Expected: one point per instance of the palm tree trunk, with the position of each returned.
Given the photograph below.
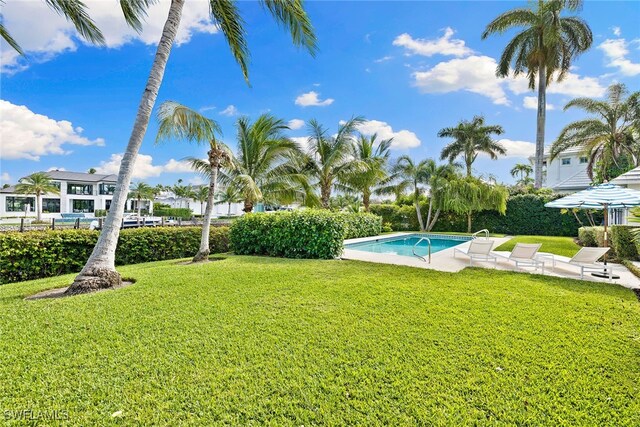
(469, 222)
(429, 213)
(248, 206)
(325, 195)
(139, 207)
(542, 111)
(433, 221)
(469, 169)
(229, 210)
(203, 252)
(38, 207)
(366, 200)
(416, 201)
(99, 272)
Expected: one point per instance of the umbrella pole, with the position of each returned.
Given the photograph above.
(605, 274)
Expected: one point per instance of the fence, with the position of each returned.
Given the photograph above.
(26, 224)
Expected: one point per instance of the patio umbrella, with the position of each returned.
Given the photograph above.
(604, 196)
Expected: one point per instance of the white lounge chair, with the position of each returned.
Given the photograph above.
(525, 254)
(479, 250)
(587, 260)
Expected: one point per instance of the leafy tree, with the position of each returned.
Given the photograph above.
(437, 177)
(229, 195)
(99, 271)
(523, 170)
(92, 171)
(329, 156)
(141, 191)
(38, 184)
(545, 48)
(470, 139)
(608, 138)
(409, 176)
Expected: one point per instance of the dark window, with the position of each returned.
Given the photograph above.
(566, 161)
(584, 160)
(51, 205)
(83, 189)
(16, 204)
(107, 204)
(107, 189)
(82, 206)
(56, 184)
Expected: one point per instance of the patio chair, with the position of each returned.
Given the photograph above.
(525, 254)
(479, 250)
(587, 260)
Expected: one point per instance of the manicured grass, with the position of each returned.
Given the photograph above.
(252, 341)
(564, 246)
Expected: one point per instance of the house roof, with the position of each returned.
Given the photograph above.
(579, 181)
(9, 189)
(631, 177)
(81, 176)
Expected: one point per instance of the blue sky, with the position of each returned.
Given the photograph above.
(410, 68)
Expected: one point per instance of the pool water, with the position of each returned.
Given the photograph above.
(403, 245)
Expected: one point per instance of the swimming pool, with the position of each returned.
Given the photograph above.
(403, 245)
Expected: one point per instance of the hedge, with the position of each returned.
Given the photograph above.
(622, 242)
(184, 213)
(37, 254)
(300, 234)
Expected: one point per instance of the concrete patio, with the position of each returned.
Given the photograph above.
(445, 261)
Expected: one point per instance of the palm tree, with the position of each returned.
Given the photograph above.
(229, 196)
(609, 137)
(268, 165)
(368, 171)
(180, 191)
(141, 191)
(201, 195)
(523, 170)
(409, 176)
(38, 184)
(437, 177)
(470, 139)
(180, 122)
(545, 47)
(329, 157)
(99, 272)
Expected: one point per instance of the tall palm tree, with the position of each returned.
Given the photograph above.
(545, 48)
(99, 272)
(329, 156)
(608, 137)
(409, 176)
(201, 195)
(523, 170)
(470, 139)
(268, 165)
(369, 167)
(437, 177)
(38, 184)
(141, 191)
(180, 122)
(228, 196)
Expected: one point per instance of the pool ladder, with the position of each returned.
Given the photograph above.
(416, 245)
(484, 230)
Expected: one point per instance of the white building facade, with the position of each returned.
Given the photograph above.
(567, 173)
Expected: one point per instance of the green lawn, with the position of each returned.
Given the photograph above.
(564, 246)
(252, 341)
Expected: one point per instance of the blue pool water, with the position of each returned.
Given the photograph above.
(404, 245)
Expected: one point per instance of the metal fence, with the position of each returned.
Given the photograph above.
(27, 224)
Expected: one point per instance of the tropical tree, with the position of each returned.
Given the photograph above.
(180, 122)
(37, 184)
(368, 171)
(141, 191)
(99, 272)
(544, 48)
(268, 165)
(180, 191)
(330, 156)
(92, 171)
(228, 196)
(470, 139)
(523, 170)
(201, 194)
(466, 195)
(437, 178)
(409, 176)
(609, 138)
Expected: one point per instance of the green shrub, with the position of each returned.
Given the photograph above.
(100, 213)
(300, 234)
(183, 213)
(622, 242)
(37, 254)
(588, 237)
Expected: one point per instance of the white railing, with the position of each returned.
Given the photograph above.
(419, 256)
(484, 230)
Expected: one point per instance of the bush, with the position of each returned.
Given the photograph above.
(587, 236)
(299, 234)
(37, 254)
(183, 213)
(100, 213)
(623, 243)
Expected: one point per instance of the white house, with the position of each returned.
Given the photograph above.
(169, 198)
(567, 173)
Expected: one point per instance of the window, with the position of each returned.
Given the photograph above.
(107, 189)
(584, 160)
(107, 204)
(17, 204)
(83, 189)
(51, 205)
(82, 206)
(56, 184)
(566, 161)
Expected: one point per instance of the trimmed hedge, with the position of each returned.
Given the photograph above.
(37, 254)
(300, 234)
(589, 236)
(184, 213)
(622, 242)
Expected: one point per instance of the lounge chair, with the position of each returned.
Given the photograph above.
(525, 254)
(479, 250)
(587, 258)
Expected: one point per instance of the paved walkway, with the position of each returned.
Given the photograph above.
(445, 261)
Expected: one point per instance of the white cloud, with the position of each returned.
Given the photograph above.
(196, 180)
(312, 99)
(302, 141)
(207, 108)
(230, 111)
(144, 167)
(401, 139)
(518, 148)
(444, 45)
(531, 102)
(5, 177)
(55, 35)
(472, 74)
(617, 31)
(27, 135)
(383, 59)
(616, 51)
(295, 124)
(572, 85)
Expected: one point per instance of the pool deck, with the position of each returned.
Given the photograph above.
(445, 261)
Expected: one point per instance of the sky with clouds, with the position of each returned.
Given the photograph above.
(410, 68)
